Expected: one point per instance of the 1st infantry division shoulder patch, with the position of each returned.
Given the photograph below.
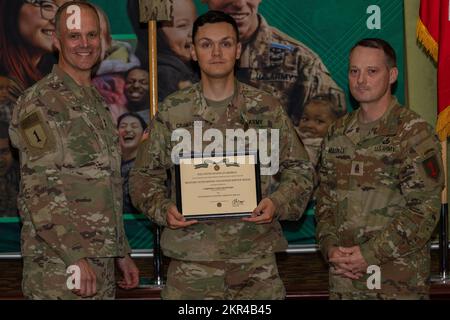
(34, 130)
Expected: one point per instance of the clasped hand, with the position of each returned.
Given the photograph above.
(347, 262)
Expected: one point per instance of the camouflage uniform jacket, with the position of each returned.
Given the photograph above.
(221, 239)
(70, 198)
(382, 193)
(277, 63)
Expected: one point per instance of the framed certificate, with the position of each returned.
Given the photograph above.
(219, 186)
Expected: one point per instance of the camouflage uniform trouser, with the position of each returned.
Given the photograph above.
(45, 278)
(244, 279)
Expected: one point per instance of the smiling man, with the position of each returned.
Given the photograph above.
(131, 128)
(136, 91)
(70, 199)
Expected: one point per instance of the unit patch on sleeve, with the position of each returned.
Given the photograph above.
(36, 131)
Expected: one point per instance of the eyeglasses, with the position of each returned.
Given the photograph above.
(48, 8)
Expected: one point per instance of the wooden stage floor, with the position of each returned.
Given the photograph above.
(305, 277)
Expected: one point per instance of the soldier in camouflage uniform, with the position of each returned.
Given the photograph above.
(275, 62)
(70, 197)
(379, 195)
(226, 258)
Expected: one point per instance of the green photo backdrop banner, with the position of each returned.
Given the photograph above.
(329, 27)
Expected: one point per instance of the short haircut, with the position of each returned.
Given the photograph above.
(65, 6)
(214, 16)
(377, 43)
(327, 100)
(4, 134)
(132, 114)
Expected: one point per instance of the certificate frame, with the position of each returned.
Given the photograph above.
(235, 213)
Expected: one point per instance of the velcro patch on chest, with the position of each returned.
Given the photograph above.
(184, 124)
(357, 168)
(258, 123)
(276, 56)
(281, 55)
(336, 150)
(385, 149)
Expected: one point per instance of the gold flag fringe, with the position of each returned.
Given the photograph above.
(428, 42)
(443, 124)
(432, 48)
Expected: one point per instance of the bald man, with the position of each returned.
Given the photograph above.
(70, 200)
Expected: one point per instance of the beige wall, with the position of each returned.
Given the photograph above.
(420, 69)
(421, 72)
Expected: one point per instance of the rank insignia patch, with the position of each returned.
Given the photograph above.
(357, 168)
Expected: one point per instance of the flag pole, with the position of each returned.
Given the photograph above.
(153, 67)
(158, 272)
(444, 218)
(151, 11)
